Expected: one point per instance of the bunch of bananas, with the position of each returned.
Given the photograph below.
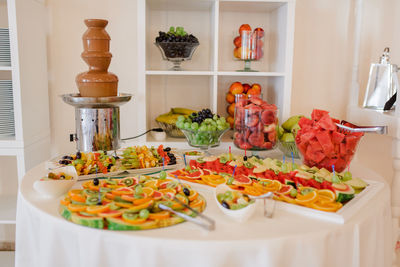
(172, 116)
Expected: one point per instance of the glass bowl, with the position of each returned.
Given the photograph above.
(171, 129)
(177, 52)
(340, 157)
(248, 47)
(204, 139)
(288, 148)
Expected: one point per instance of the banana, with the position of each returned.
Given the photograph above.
(182, 111)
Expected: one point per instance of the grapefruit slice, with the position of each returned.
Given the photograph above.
(195, 175)
(285, 189)
(242, 179)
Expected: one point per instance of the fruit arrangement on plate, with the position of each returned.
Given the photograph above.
(322, 144)
(248, 45)
(131, 158)
(286, 135)
(176, 45)
(237, 90)
(203, 129)
(168, 120)
(255, 124)
(130, 203)
(310, 187)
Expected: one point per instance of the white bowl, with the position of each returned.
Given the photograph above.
(240, 215)
(56, 188)
(189, 158)
(158, 136)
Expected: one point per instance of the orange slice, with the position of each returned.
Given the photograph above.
(66, 201)
(326, 206)
(123, 205)
(286, 198)
(87, 184)
(168, 190)
(74, 192)
(122, 191)
(193, 195)
(134, 221)
(307, 198)
(152, 184)
(78, 198)
(326, 195)
(140, 201)
(148, 191)
(196, 203)
(159, 215)
(141, 206)
(76, 207)
(94, 209)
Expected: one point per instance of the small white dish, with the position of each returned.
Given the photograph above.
(240, 215)
(56, 188)
(159, 136)
(190, 157)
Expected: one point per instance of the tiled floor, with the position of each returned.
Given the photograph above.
(7, 258)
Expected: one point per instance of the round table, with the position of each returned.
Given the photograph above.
(44, 238)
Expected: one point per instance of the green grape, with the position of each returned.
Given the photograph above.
(213, 128)
(181, 118)
(163, 175)
(180, 124)
(222, 119)
(195, 126)
(138, 189)
(187, 168)
(203, 128)
(220, 127)
(187, 125)
(208, 120)
(215, 117)
(144, 214)
(347, 176)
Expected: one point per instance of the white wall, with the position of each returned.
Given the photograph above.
(321, 73)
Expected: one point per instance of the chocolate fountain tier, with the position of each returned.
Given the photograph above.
(97, 84)
(96, 121)
(78, 101)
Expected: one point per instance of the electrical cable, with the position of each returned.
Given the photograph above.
(151, 130)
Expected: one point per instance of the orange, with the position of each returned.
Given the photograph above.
(308, 198)
(193, 195)
(122, 191)
(66, 201)
(94, 209)
(326, 206)
(134, 221)
(196, 203)
(76, 207)
(74, 192)
(78, 198)
(159, 215)
(151, 184)
(141, 206)
(326, 195)
(123, 205)
(140, 201)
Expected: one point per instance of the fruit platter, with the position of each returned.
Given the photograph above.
(130, 203)
(131, 160)
(309, 189)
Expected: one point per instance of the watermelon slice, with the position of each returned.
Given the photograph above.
(317, 114)
(326, 123)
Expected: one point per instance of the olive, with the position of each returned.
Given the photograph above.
(69, 158)
(64, 157)
(172, 163)
(99, 203)
(116, 157)
(245, 158)
(78, 155)
(186, 191)
(225, 205)
(96, 181)
(167, 149)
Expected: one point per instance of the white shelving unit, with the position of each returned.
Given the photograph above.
(207, 77)
(26, 20)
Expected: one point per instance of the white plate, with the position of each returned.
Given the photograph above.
(56, 188)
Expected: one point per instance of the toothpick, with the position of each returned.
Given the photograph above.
(284, 159)
(184, 159)
(163, 161)
(234, 169)
(230, 153)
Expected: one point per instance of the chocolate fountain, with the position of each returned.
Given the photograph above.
(97, 104)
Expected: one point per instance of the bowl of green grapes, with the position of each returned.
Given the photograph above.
(203, 129)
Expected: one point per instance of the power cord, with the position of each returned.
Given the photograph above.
(151, 130)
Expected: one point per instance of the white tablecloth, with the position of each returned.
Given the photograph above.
(45, 239)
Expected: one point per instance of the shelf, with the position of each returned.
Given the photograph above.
(177, 73)
(370, 117)
(8, 68)
(8, 207)
(256, 73)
